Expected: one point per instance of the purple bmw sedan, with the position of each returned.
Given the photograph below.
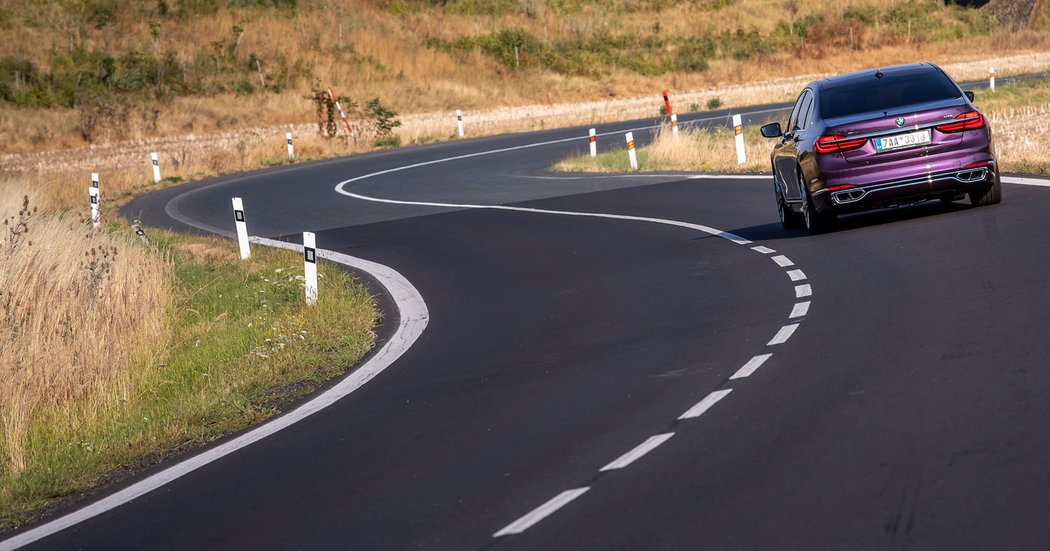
(880, 138)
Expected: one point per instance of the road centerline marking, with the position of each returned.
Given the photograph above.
(783, 335)
(705, 404)
(804, 290)
(541, 512)
(751, 366)
(635, 454)
(783, 261)
(796, 275)
(763, 250)
(800, 309)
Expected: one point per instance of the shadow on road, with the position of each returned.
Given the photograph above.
(773, 231)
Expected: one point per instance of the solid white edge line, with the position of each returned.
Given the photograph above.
(729, 177)
(804, 290)
(783, 335)
(800, 309)
(782, 261)
(635, 454)
(751, 366)
(796, 275)
(541, 512)
(705, 229)
(763, 250)
(1025, 181)
(705, 404)
(413, 318)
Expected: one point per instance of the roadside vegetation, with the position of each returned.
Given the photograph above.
(115, 353)
(1017, 113)
(80, 72)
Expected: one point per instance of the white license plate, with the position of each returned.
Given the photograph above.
(901, 141)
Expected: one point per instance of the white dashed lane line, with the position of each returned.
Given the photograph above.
(641, 449)
(541, 512)
(800, 310)
(705, 404)
(783, 335)
(751, 366)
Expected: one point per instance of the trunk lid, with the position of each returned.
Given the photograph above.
(884, 124)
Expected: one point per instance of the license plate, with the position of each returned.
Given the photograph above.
(901, 141)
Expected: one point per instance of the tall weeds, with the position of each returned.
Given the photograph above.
(81, 314)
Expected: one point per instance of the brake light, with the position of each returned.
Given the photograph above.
(824, 144)
(841, 187)
(976, 121)
(978, 164)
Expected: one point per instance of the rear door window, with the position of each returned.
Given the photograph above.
(805, 110)
(887, 93)
(793, 119)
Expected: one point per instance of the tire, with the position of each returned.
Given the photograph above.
(815, 222)
(789, 219)
(991, 196)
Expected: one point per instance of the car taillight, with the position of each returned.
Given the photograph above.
(841, 187)
(824, 144)
(978, 164)
(975, 121)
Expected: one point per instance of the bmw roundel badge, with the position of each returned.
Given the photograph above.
(900, 121)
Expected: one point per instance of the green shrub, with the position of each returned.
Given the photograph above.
(714, 103)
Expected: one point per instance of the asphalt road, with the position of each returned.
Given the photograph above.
(906, 409)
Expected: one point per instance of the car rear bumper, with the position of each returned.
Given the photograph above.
(906, 190)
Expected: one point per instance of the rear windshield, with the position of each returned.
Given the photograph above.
(889, 92)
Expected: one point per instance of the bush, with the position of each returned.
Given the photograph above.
(383, 120)
(389, 141)
(714, 103)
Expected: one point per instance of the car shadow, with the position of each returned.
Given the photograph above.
(774, 231)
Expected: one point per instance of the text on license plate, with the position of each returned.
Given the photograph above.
(900, 141)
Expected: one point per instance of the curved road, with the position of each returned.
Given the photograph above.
(676, 373)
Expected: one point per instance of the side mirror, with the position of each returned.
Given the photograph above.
(772, 130)
(969, 95)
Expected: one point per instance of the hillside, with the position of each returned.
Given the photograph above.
(76, 72)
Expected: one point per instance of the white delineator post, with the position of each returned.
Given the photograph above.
(592, 137)
(631, 153)
(242, 227)
(93, 197)
(156, 167)
(310, 267)
(674, 125)
(291, 148)
(991, 78)
(738, 130)
(459, 122)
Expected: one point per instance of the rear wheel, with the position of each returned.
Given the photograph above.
(788, 218)
(816, 222)
(991, 196)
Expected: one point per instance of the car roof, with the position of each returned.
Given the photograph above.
(860, 76)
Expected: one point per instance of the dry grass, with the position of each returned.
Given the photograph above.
(81, 313)
(369, 49)
(125, 167)
(1021, 135)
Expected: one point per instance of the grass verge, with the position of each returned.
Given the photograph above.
(131, 353)
(692, 150)
(1018, 115)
